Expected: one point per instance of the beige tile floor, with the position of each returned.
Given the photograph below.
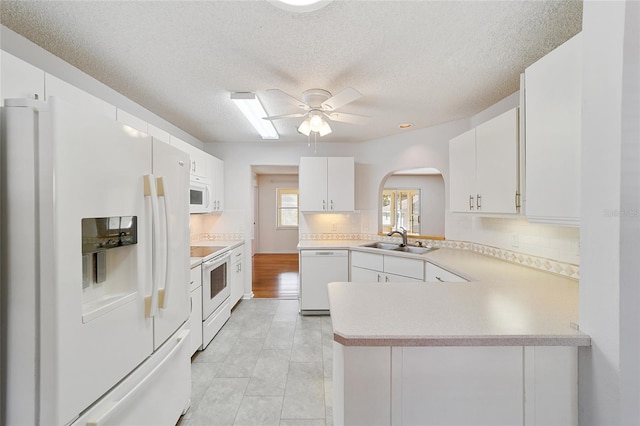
(267, 366)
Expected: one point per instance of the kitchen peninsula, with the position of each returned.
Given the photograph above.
(499, 349)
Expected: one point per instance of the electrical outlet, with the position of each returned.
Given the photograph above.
(334, 227)
(515, 240)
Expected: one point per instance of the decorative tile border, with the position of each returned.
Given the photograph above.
(212, 237)
(564, 269)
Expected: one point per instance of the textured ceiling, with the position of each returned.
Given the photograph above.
(424, 62)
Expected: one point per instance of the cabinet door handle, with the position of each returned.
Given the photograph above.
(386, 279)
(470, 202)
(331, 204)
(440, 279)
(324, 204)
(479, 203)
(378, 277)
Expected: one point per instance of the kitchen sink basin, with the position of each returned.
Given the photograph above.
(416, 249)
(383, 246)
(398, 247)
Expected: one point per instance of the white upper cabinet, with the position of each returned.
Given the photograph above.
(19, 79)
(216, 175)
(327, 184)
(159, 134)
(59, 88)
(483, 167)
(553, 135)
(497, 164)
(199, 158)
(462, 172)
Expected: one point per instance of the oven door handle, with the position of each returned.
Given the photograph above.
(220, 259)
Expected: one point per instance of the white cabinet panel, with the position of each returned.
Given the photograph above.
(497, 163)
(362, 275)
(372, 267)
(19, 79)
(364, 385)
(462, 386)
(158, 133)
(553, 114)
(436, 274)
(215, 170)
(367, 260)
(341, 184)
(484, 167)
(195, 319)
(61, 89)
(237, 274)
(412, 268)
(199, 160)
(327, 184)
(462, 172)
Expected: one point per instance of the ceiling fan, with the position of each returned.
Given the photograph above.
(318, 104)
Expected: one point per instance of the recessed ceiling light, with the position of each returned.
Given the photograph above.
(405, 126)
(300, 6)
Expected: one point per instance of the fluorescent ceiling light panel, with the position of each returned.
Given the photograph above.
(249, 104)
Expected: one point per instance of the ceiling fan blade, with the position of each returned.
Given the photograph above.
(278, 117)
(347, 118)
(344, 97)
(279, 94)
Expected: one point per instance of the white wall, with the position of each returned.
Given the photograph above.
(432, 199)
(271, 239)
(609, 375)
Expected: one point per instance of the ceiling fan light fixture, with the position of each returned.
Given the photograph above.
(325, 129)
(316, 122)
(251, 107)
(305, 128)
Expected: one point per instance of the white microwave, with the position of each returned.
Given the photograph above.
(199, 196)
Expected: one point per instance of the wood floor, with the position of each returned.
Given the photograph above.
(275, 276)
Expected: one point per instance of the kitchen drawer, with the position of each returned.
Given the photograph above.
(236, 254)
(196, 278)
(437, 274)
(397, 265)
(367, 260)
(214, 323)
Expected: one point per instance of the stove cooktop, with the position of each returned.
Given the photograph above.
(204, 251)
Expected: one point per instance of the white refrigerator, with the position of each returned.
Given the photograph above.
(95, 270)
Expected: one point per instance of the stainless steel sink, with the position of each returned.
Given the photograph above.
(416, 249)
(383, 246)
(398, 247)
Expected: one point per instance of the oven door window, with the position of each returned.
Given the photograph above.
(218, 280)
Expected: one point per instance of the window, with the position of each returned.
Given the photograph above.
(401, 208)
(287, 208)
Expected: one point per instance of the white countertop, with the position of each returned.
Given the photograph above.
(228, 244)
(504, 304)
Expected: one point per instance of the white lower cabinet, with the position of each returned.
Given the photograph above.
(195, 318)
(362, 275)
(462, 385)
(436, 274)
(237, 274)
(373, 267)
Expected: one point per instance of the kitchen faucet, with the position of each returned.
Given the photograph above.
(402, 233)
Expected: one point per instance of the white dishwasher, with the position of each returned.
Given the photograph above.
(317, 269)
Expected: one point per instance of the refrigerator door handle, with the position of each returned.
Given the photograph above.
(150, 190)
(115, 406)
(163, 292)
